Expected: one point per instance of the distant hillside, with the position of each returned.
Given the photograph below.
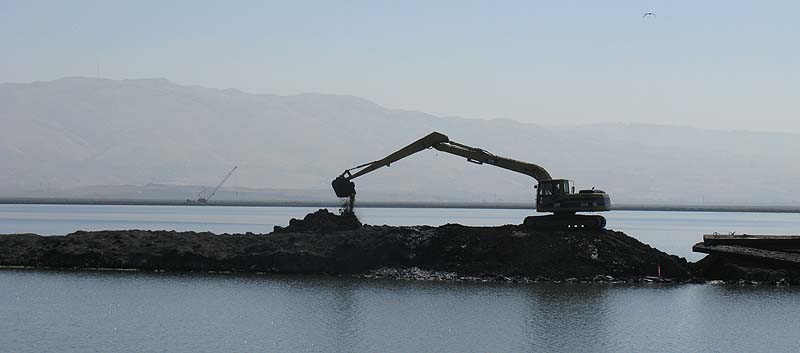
(89, 134)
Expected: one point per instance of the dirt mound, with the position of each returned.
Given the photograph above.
(322, 221)
(326, 243)
(545, 254)
(732, 268)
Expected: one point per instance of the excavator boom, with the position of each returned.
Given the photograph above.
(479, 156)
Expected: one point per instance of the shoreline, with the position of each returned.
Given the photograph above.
(383, 204)
(413, 274)
(324, 243)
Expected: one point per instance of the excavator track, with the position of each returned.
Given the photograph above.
(565, 221)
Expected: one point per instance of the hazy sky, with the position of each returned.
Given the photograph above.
(719, 64)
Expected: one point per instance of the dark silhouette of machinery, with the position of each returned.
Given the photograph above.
(556, 196)
(204, 200)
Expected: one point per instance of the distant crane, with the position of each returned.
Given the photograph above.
(204, 200)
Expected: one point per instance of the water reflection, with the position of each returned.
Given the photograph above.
(567, 318)
(345, 322)
(106, 311)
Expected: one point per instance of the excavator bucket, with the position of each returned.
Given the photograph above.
(343, 187)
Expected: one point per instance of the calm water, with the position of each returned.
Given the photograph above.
(43, 311)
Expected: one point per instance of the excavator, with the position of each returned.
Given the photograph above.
(556, 196)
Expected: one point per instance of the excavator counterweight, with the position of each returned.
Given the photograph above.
(557, 196)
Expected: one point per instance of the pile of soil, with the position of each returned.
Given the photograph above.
(321, 221)
(740, 268)
(326, 243)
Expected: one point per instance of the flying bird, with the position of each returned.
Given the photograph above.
(648, 14)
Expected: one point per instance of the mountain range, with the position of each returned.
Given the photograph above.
(78, 137)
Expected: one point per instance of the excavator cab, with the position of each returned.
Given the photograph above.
(554, 188)
(559, 197)
(549, 193)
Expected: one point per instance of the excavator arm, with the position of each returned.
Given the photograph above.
(344, 186)
(428, 141)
